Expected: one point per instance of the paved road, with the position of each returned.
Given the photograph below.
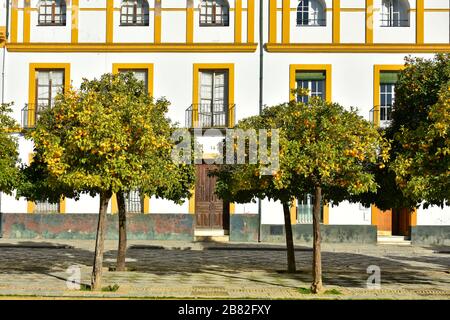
(187, 270)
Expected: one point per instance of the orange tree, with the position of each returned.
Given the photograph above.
(107, 137)
(324, 150)
(9, 157)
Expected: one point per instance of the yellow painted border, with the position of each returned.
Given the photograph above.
(272, 21)
(132, 47)
(326, 214)
(157, 22)
(238, 21)
(293, 211)
(213, 66)
(377, 69)
(14, 20)
(420, 21)
(336, 21)
(190, 21)
(369, 21)
(26, 21)
(359, 48)
(250, 21)
(32, 80)
(114, 205)
(147, 66)
(286, 22)
(293, 68)
(192, 202)
(109, 21)
(74, 20)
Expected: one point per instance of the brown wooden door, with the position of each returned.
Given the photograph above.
(401, 222)
(385, 222)
(209, 208)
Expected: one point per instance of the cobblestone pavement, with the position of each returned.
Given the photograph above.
(201, 270)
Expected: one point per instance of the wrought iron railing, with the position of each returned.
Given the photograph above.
(311, 22)
(46, 207)
(215, 115)
(394, 23)
(30, 114)
(381, 115)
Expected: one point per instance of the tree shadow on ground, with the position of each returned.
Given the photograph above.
(261, 267)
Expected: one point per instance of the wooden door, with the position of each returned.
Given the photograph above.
(385, 222)
(209, 208)
(401, 222)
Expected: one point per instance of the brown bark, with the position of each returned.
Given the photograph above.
(122, 249)
(96, 279)
(317, 286)
(289, 238)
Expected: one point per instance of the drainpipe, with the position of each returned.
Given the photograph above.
(261, 77)
(4, 52)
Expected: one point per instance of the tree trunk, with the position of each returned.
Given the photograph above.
(122, 250)
(289, 239)
(316, 286)
(96, 279)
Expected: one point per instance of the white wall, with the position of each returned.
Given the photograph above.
(433, 216)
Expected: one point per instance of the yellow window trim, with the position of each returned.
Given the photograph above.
(31, 205)
(115, 206)
(377, 69)
(238, 21)
(273, 21)
(293, 68)
(147, 66)
(74, 19)
(32, 81)
(14, 20)
(26, 21)
(192, 202)
(250, 21)
(132, 47)
(336, 21)
(420, 21)
(157, 22)
(369, 21)
(196, 86)
(286, 23)
(190, 21)
(109, 21)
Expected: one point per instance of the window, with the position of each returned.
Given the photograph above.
(214, 13)
(134, 202)
(213, 108)
(394, 13)
(140, 74)
(46, 207)
(314, 82)
(305, 210)
(48, 84)
(387, 94)
(311, 13)
(134, 13)
(52, 13)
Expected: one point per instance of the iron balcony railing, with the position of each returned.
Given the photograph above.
(215, 115)
(311, 22)
(381, 115)
(394, 23)
(30, 114)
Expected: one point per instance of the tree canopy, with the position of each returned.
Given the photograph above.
(9, 156)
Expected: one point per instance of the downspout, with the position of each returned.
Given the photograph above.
(3, 87)
(4, 52)
(261, 78)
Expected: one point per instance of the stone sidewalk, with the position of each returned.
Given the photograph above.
(171, 269)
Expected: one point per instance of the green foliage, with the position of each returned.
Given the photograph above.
(420, 161)
(321, 144)
(9, 157)
(109, 135)
(111, 288)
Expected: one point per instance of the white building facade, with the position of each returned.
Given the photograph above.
(204, 57)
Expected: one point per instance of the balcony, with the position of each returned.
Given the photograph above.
(381, 116)
(30, 114)
(207, 116)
